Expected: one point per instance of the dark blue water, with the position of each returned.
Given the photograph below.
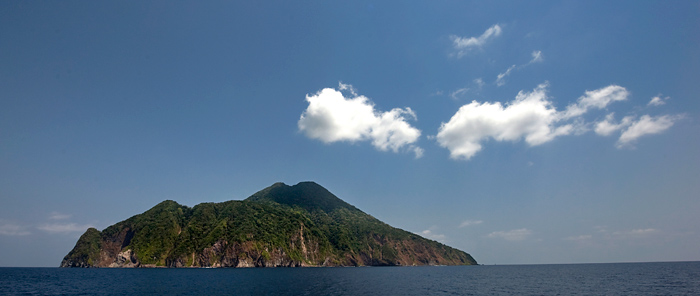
(675, 278)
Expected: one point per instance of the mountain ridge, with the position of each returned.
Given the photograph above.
(281, 225)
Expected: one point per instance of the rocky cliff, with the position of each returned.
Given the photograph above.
(300, 225)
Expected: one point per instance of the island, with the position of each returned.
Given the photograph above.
(279, 226)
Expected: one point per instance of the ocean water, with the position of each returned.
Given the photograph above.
(672, 278)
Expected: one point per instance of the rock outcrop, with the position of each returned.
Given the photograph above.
(279, 226)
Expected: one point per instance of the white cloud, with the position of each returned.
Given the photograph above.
(512, 235)
(599, 98)
(536, 57)
(58, 216)
(500, 80)
(418, 151)
(455, 95)
(579, 237)
(633, 128)
(644, 231)
(463, 45)
(466, 223)
(479, 83)
(64, 227)
(474, 87)
(332, 117)
(635, 233)
(646, 125)
(12, 229)
(608, 126)
(658, 101)
(434, 236)
(530, 116)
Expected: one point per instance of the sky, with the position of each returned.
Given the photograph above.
(520, 132)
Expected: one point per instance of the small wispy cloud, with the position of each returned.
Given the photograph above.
(429, 233)
(598, 99)
(601, 229)
(457, 94)
(643, 231)
(479, 83)
(631, 127)
(500, 80)
(646, 125)
(608, 126)
(583, 237)
(12, 229)
(464, 45)
(536, 57)
(512, 235)
(658, 101)
(474, 87)
(603, 234)
(635, 233)
(58, 216)
(466, 223)
(418, 152)
(63, 227)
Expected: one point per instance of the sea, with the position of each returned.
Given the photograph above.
(661, 278)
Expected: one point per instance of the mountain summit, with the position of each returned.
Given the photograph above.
(281, 225)
(307, 195)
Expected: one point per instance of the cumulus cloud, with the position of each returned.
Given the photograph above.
(466, 223)
(63, 227)
(512, 235)
(530, 116)
(463, 45)
(646, 125)
(332, 117)
(658, 101)
(12, 229)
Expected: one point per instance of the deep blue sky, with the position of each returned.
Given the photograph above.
(108, 108)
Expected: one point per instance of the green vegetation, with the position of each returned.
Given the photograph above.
(283, 225)
(87, 251)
